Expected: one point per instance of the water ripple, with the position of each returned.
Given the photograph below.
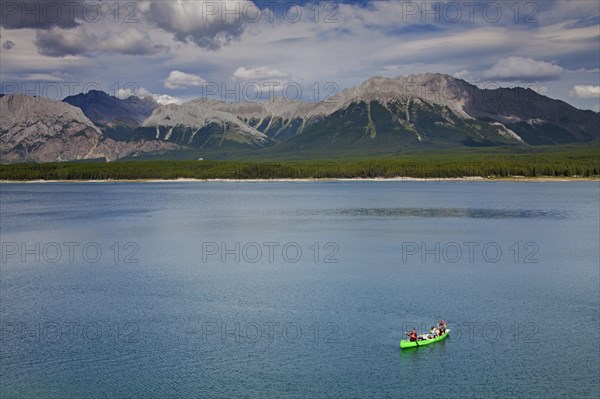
(473, 213)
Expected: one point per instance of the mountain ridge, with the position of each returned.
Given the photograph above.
(113, 115)
(434, 108)
(44, 130)
(381, 115)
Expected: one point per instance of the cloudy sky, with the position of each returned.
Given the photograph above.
(232, 50)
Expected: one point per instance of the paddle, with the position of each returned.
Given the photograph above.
(415, 341)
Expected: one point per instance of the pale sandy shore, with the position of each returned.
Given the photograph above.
(391, 179)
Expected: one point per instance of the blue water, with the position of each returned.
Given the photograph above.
(219, 290)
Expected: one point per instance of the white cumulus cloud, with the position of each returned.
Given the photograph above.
(464, 74)
(164, 99)
(128, 92)
(181, 80)
(141, 92)
(259, 73)
(585, 91)
(518, 68)
(49, 77)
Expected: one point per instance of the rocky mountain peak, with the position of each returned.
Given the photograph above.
(45, 130)
(435, 88)
(107, 110)
(20, 109)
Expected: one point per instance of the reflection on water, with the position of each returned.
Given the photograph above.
(435, 213)
(453, 213)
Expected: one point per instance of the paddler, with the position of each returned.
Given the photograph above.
(412, 336)
(432, 332)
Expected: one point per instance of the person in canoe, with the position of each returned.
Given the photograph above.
(432, 333)
(442, 327)
(412, 336)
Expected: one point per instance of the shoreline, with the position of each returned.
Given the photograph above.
(315, 180)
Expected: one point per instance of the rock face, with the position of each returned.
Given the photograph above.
(470, 102)
(42, 130)
(115, 117)
(380, 116)
(201, 124)
(278, 119)
(424, 110)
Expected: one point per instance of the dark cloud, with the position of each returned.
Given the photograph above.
(59, 43)
(194, 21)
(8, 45)
(207, 23)
(130, 42)
(40, 14)
(62, 42)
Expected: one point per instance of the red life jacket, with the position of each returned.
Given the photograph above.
(413, 336)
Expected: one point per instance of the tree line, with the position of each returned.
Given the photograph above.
(581, 163)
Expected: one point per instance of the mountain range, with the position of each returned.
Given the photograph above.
(380, 116)
(37, 129)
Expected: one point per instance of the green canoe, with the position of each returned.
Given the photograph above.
(414, 344)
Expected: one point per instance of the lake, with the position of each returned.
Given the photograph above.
(299, 289)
